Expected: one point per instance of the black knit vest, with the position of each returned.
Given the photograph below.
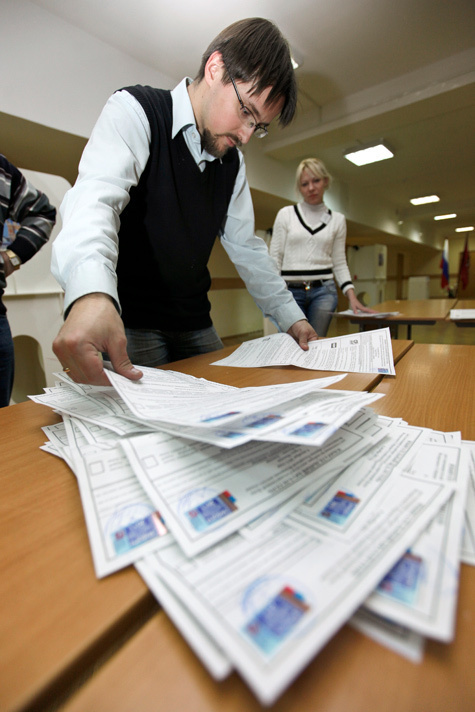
(169, 226)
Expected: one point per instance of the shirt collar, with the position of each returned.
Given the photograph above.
(182, 110)
(184, 120)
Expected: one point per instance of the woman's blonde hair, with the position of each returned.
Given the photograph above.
(314, 166)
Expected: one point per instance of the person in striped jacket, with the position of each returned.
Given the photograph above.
(26, 221)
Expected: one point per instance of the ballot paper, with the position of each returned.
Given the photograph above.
(306, 414)
(90, 409)
(272, 604)
(204, 647)
(421, 590)
(200, 402)
(315, 419)
(461, 314)
(360, 434)
(401, 640)
(366, 352)
(206, 493)
(121, 520)
(57, 442)
(227, 427)
(364, 478)
(468, 543)
(376, 315)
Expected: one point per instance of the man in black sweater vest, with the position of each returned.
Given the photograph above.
(160, 178)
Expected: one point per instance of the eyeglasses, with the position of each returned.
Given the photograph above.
(247, 117)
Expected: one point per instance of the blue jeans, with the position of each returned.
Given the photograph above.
(7, 362)
(317, 304)
(148, 347)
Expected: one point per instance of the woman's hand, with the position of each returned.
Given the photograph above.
(356, 305)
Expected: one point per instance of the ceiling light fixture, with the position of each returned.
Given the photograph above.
(369, 153)
(425, 199)
(445, 217)
(469, 228)
(296, 58)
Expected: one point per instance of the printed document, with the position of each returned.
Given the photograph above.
(206, 493)
(203, 645)
(200, 402)
(121, 520)
(468, 543)
(460, 314)
(421, 590)
(376, 315)
(366, 352)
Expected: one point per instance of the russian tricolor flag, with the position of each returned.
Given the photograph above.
(444, 265)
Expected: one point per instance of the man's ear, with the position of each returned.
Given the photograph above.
(214, 68)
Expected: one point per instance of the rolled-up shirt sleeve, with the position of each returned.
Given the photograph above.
(251, 257)
(86, 250)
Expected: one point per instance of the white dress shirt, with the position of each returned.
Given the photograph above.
(86, 250)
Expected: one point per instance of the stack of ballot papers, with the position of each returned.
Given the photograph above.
(264, 519)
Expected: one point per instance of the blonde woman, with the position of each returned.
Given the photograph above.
(308, 245)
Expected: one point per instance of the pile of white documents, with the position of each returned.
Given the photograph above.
(264, 519)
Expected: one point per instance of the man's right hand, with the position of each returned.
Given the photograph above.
(93, 326)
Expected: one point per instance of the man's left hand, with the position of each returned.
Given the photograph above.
(302, 332)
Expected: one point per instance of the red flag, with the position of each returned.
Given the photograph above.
(464, 266)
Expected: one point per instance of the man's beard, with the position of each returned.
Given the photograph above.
(209, 143)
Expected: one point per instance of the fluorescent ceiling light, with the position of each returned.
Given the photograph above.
(445, 217)
(464, 229)
(425, 199)
(370, 153)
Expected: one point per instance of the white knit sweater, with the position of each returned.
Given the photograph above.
(313, 250)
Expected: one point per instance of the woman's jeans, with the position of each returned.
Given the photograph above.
(147, 347)
(317, 303)
(7, 362)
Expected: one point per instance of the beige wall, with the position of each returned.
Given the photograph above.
(233, 311)
(425, 262)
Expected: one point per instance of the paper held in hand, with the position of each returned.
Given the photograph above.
(366, 352)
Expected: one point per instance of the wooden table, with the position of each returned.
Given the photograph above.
(412, 312)
(157, 672)
(434, 387)
(56, 618)
(58, 621)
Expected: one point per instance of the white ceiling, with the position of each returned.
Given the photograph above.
(403, 71)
